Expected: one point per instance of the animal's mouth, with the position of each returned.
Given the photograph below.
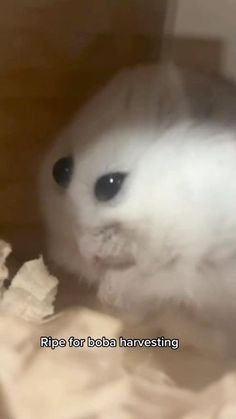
(106, 247)
(113, 262)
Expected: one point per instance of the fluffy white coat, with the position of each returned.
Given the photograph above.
(165, 246)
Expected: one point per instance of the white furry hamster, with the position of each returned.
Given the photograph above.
(139, 196)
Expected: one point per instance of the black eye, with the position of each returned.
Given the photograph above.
(108, 186)
(62, 171)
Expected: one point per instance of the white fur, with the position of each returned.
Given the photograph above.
(169, 237)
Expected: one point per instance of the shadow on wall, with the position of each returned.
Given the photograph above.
(54, 55)
(197, 53)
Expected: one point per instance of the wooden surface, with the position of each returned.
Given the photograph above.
(54, 54)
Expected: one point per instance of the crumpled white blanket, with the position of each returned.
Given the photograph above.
(95, 383)
(102, 383)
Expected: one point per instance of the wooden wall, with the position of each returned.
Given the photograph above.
(53, 54)
(205, 34)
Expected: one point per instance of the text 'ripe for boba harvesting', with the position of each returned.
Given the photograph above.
(104, 342)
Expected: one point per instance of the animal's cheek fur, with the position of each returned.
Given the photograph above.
(109, 245)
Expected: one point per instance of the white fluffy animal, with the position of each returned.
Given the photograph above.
(139, 197)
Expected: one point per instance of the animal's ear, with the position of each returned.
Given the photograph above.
(200, 94)
(173, 103)
(190, 94)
